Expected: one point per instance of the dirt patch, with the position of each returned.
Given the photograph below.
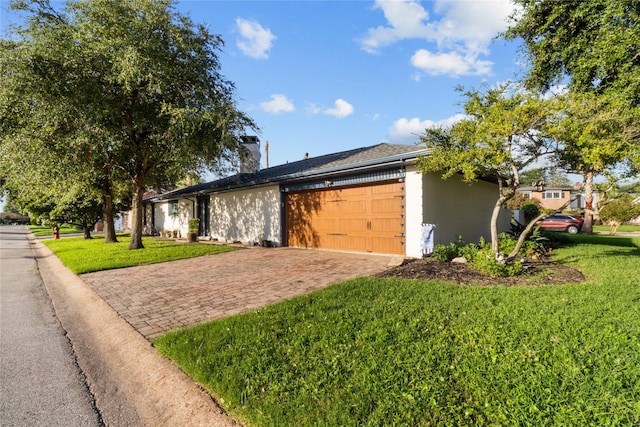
(537, 273)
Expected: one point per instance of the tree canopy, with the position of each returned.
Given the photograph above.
(594, 47)
(131, 85)
(594, 44)
(505, 131)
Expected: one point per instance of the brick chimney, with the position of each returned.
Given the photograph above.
(250, 154)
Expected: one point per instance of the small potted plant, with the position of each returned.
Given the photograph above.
(265, 243)
(194, 226)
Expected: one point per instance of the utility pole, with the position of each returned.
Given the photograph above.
(266, 151)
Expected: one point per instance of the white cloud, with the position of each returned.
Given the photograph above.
(342, 109)
(405, 20)
(406, 131)
(278, 104)
(255, 40)
(451, 63)
(462, 33)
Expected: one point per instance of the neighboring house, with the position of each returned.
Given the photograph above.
(370, 199)
(556, 197)
(13, 218)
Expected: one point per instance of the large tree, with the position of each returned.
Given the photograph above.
(594, 47)
(596, 133)
(143, 83)
(504, 132)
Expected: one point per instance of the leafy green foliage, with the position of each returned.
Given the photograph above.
(504, 132)
(482, 257)
(130, 86)
(194, 225)
(400, 352)
(593, 43)
(446, 253)
(618, 211)
(85, 256)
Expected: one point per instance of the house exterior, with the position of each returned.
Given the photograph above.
(556, 197)
(370, 199)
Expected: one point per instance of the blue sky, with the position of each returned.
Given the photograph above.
(326, 76)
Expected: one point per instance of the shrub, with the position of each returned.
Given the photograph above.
(448, 252)
(194, 225)
(619, 211)
(530, 210)
(485, 262)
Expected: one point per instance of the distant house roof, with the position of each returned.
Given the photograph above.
(376, 156)
(529, 188)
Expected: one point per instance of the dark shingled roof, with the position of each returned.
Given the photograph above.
(312, 167)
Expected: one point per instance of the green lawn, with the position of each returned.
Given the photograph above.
(397, 352)
(40, 231)
(85, 256)
(622, 228)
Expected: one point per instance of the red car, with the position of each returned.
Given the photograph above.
(560, 222)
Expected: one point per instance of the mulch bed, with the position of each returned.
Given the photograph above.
(538, 273)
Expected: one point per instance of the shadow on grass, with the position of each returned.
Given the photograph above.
(612, 245)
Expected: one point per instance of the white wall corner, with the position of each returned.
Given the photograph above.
(414, 194)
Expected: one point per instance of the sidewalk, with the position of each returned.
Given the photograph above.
(107, 316)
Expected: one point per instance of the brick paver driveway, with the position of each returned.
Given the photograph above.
(157, 298)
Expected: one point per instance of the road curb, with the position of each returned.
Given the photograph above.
(132, 383)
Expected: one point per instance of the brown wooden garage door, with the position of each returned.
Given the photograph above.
(368, 218)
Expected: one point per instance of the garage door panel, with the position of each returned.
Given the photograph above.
(351, 208)
(348, 243)
(387, 245)
(363, 218)
(351, 226)
(395, 187)
(380, 206)
(387, 225)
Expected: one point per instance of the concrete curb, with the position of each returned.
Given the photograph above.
(132, 383)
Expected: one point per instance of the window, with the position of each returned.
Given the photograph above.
(173, 208)
(552, 195)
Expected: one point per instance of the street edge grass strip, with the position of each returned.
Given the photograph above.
(42, 231)
(86, 256)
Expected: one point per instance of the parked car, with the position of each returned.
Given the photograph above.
(561, 222)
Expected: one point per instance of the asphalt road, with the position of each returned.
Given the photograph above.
(40, 381)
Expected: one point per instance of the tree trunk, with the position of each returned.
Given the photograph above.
(86, 231)
(136, 213)
(587, 227)
(527, 230)
(107, 218)
(495, 243)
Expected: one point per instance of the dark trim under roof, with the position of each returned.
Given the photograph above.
(352, 161)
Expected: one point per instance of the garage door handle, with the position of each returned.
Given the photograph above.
(336, 234)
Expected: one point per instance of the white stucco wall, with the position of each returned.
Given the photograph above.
(165, 222)
(247, 215)
(456, 208)
(413, 212)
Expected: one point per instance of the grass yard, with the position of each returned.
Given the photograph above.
(40, 231)
(85, 256)
(625, 228)
(376, 351)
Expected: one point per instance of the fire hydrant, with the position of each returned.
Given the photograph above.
(56, 232)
